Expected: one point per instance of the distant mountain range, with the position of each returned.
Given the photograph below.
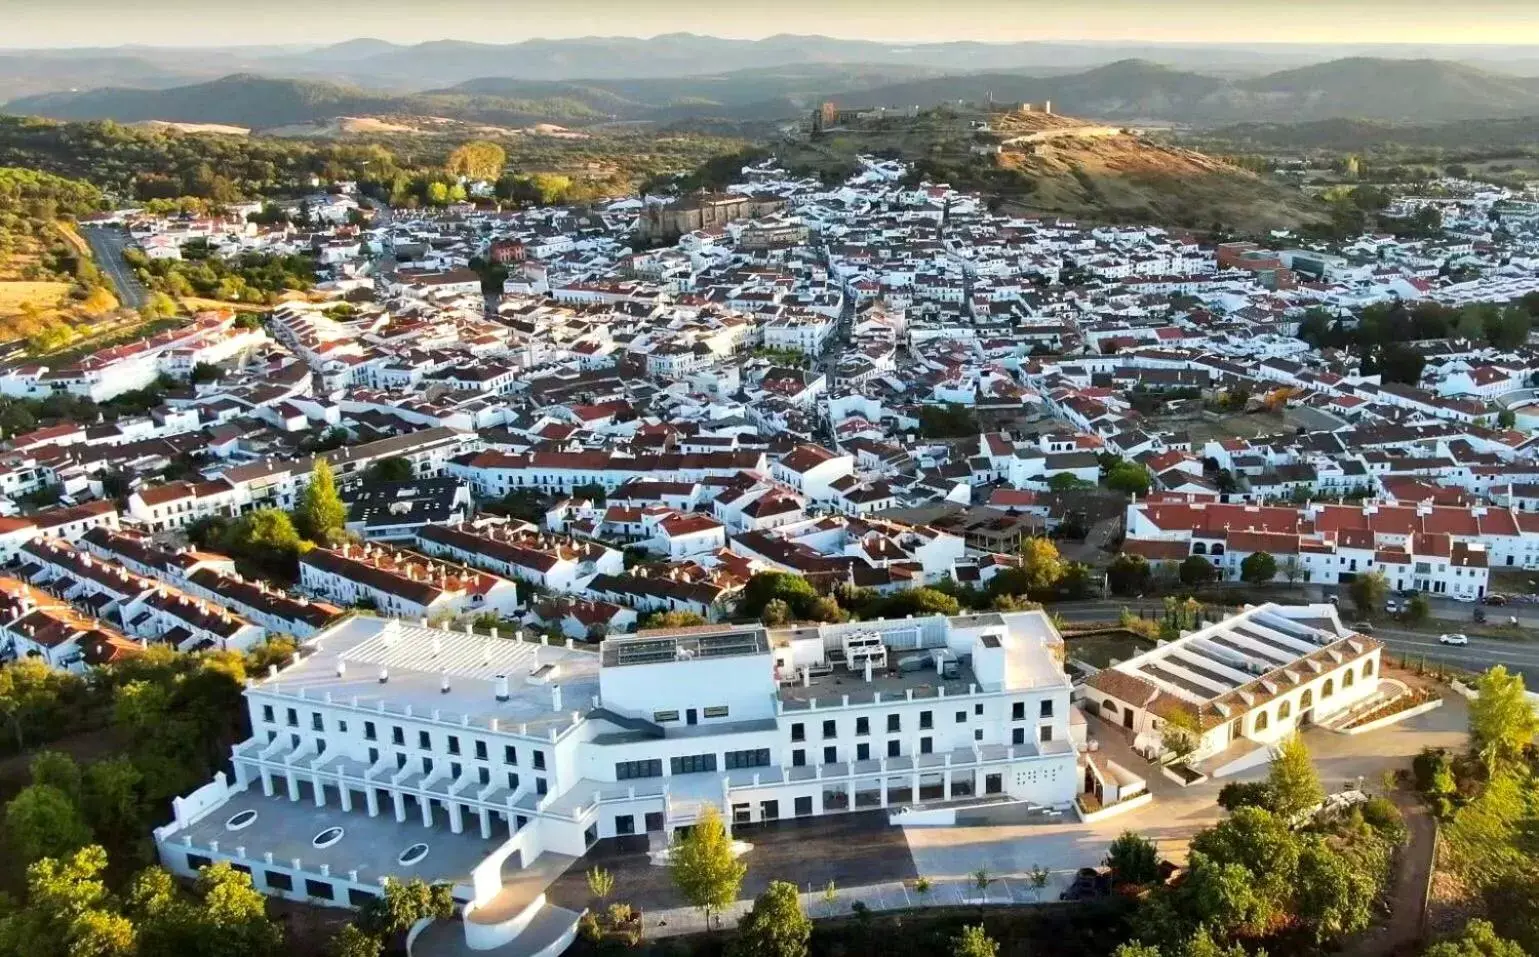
(1130, 91)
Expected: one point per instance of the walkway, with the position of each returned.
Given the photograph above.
(1402, 933)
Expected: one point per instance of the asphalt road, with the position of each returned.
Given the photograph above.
(1520, 654)
(107, 244)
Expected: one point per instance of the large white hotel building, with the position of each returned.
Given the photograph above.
(390, 749)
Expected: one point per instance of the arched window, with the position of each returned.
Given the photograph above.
(1284, 710)
(1261, 721)
(1328, 689)
(1347, 678)
(1368, 668)
(1199, 548)
(1110, 707)
(1218, 548)
(1307, 699)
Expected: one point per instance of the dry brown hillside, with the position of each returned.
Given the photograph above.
(1046, 163)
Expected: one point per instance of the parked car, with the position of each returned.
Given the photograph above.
(1392, 606)
(1480, 616)
(1496, 599)
(1466, 599)
(1363, 627)
(1088, 883)
(1454, 639)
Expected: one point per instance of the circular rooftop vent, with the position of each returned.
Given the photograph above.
(412, 855)
(327, 837)
(240, 820)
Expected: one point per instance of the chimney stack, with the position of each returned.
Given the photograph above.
(502, 688)
(555, 697)
(443, 682)
(384, 674)
(868, 670)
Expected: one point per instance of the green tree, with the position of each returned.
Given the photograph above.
(765, 587)
(41, 821)
(1180, 734)
(59, 770)
(1221, 896)
(1197, 570)
(321, 513)
(1292, 779)
(1134, 948)
(403, 904)
(1369, 590)
(1258, 568)
(34, 699)
(825, 608)
(113, 802)
(1238, 794)
(601, 883)
(392, 469)
(776, 926)
(1478, 940)
(1041, 563)
(232, 915)
(592, 491)
(1260, 842)
(1502, 721)
(1129, 478)
(973, 941)
(1506, 419)
(1067, 482)
(352, 942)
(477, 160)
(68, 912)
(1133, 859)
(776, 613)
(1331, 895)
(703, 867)
(1418, 608)
(1128, 575)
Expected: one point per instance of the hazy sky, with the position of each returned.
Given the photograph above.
(53, 23)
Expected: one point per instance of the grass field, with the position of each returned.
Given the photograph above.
(14, 295)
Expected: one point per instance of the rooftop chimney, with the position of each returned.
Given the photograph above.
(555, 697)
(384, 674)
(443, 682)
(502, 688)
(868, 669)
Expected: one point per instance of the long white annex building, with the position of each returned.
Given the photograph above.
(390, 749)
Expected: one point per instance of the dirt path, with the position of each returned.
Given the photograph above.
(1402, 932)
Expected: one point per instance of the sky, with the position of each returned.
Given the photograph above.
(75, 23)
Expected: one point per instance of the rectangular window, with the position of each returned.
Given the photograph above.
(480, 750)
(830, 729)
(368, 731)
(754, 758)
(978, 709)
(1018, 711)
(512, 781)
(280, 880)
(455, 768)
(863, 751)
(862, 726)
(961, 717)
(894, 723)
(718, 711)
(798, 732)
(373, 756)
(663, 717)
(424, 741)
(540, 787)
(317, 723)
(509, 754)
(625, 824)
(427, 767)
(454, 744)
(925, 745)
(321, 889)
(692, 763)
(628, 770)
(267, 713)
(926, 720)
(483, 776)
(894, 748)
(1017, 735)
(397, 736)
(292, 718)
(830, 755)
(803, 806)
(539, 760)
(1047, 708)
(400, 761)
(1045, 733)
(798, 758)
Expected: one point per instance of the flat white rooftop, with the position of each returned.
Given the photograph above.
(388, 664)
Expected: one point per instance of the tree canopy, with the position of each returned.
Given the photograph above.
(702, 865)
